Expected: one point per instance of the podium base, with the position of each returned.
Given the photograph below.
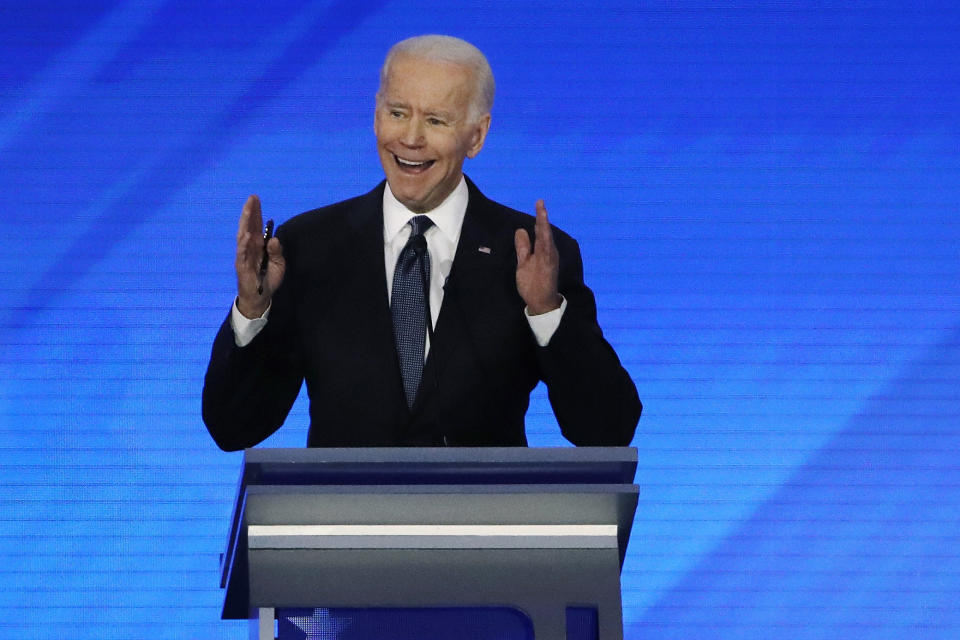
(412, 623)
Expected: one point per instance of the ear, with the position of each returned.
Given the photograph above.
(479, 134)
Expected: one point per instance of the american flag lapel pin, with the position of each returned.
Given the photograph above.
(484, 249)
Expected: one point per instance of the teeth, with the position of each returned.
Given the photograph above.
(408, 163)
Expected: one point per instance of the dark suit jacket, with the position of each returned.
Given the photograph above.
(330, 325)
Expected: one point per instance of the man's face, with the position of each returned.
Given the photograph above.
(423, 130)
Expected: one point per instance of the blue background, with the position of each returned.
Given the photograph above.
(768, 203)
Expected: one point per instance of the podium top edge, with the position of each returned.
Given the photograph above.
(443, 455)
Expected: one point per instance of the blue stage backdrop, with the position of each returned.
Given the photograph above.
(768, 203)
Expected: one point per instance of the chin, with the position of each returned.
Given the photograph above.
(406, 196)
(412, 199)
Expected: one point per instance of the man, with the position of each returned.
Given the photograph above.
(421, 313)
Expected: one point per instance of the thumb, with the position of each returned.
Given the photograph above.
(274, 249)
(277, 266)
(521, 240)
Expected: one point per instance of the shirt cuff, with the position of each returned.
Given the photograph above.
(544, 325)
(244, 328)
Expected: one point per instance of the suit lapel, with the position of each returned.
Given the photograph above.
(484, 252)
(363, 261)
(364, 256)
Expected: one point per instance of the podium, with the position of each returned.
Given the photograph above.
(540, 530)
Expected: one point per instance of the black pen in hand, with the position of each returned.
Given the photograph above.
(265, 260)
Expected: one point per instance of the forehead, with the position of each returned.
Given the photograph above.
(426, 83)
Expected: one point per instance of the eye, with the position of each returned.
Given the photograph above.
(435, 121)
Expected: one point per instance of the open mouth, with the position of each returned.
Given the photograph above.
(412, 166)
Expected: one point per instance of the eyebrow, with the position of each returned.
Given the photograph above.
(395, 104)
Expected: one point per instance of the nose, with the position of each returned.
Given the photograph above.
(412, 133)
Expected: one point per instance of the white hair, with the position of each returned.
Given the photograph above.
(448, 49)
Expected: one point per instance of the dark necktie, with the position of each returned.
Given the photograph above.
(408, 305)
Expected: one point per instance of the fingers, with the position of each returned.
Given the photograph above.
(541, 210)
(249, 243)
(544, 235)
(251, 219)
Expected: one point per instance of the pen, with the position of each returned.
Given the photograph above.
(265, 260)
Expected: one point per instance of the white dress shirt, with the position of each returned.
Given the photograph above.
(442, 239)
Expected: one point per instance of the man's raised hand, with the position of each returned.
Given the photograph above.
(250, 302)
(538, 269)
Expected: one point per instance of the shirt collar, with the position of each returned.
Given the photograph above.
(448, 216)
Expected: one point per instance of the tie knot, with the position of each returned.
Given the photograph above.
(420, 224)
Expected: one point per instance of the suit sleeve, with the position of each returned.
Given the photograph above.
(592, 395)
